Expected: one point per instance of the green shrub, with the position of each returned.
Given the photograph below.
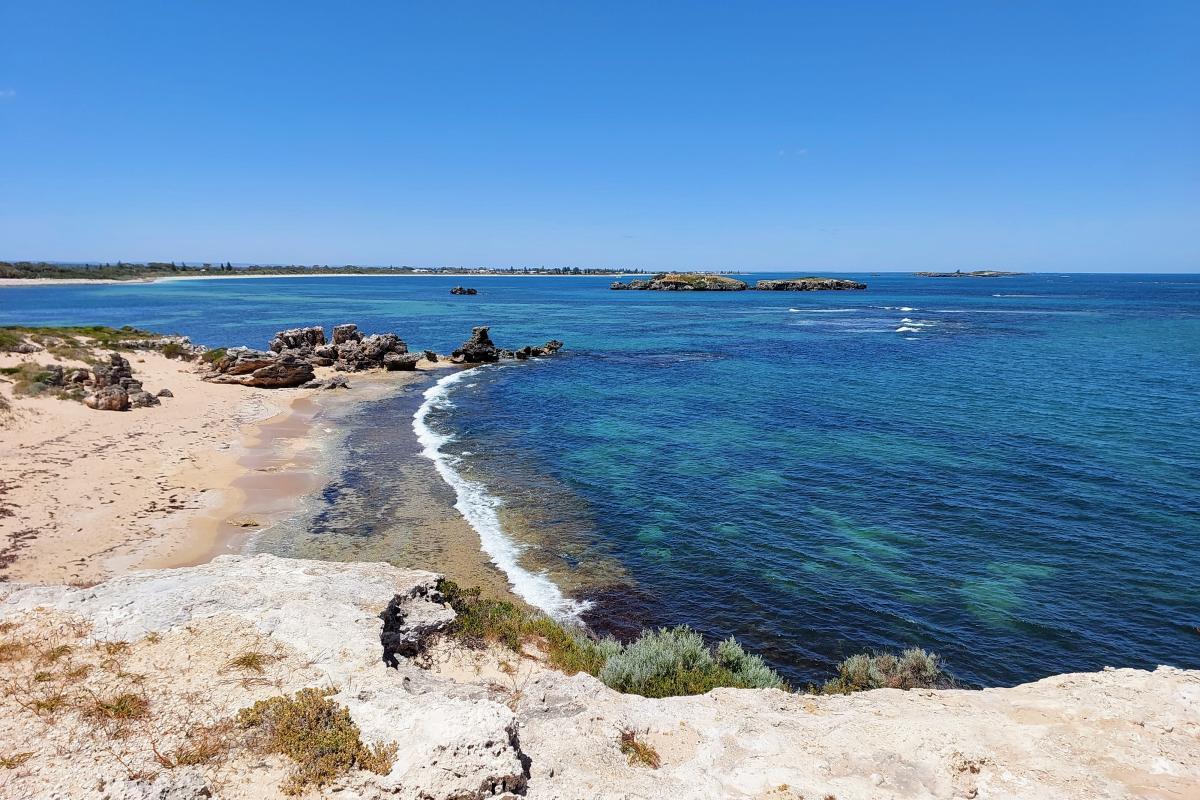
(675, 661)
(213, 356)
(661, 663)
(174, 350)
(912, 669)
(316, 733)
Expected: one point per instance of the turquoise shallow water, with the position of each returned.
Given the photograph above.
(1006, 471)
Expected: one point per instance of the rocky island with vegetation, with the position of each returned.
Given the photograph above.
(978, 273)
(702, 282)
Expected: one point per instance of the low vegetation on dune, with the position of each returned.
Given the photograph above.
(75, 342)
(666, 662)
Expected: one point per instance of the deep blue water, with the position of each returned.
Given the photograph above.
(1005, 471)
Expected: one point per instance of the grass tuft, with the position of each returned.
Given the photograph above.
(55, 653)
(317, 734)
(119, 708)
(250, 661)
(15, 760)
(638, 752)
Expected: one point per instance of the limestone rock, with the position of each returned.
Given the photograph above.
(400, 361)
(463, 290)
(108, 398)
(346, 333)
(302, 339)
(684, 282)
(808, 285)
(479, 349)
(165, 393)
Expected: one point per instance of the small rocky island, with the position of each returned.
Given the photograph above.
(695, 282)
(979, 273)
(684, 282)
(810, 284)
(463, 290)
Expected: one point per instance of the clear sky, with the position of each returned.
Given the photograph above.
(839, 135)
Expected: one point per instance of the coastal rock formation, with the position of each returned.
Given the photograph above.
(298, 339)
(684, 282)
(480, 349)
(463, 290)
(474, 726)
(113, 387)
(979, 273)
(248, 367)
(808, 285)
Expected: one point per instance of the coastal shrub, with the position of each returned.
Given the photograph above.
(661, 663)
(479, 621)
(214, 355)
(675, 661)
(174, 350)
(317, 734)
(912, 669)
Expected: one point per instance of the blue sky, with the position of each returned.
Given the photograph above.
(835, 135)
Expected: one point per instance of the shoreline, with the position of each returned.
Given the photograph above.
(17, 282)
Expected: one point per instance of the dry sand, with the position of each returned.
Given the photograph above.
(86, 494)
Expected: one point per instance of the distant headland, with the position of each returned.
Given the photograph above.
(978, 273)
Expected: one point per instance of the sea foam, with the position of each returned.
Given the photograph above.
(479, 508)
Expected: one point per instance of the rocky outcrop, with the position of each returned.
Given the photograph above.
(110, 386)
(298, 339)
(684, 282)
(473, 727)
(463, 290)
(480, 349)
(247, 367)
(808, 285)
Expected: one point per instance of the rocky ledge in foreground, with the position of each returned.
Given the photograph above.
(808, 285)
(684, 282)
(178, 652)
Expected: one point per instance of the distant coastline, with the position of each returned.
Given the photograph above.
(227, 277)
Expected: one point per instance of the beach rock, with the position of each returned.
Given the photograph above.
(808, 285)
(431, 356)
(684, 282)
(108, 398)
(463, 290)
(116, 372)
(400, 361)
(142, 399)
(25, 348)
(302, 339)
(165, 393)
(479, 349)
(336, 382)
(78, 376)
(256, 368)
(347, 332)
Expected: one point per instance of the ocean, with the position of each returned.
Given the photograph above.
(1005, 471)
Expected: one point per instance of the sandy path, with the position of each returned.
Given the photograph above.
(85, 494)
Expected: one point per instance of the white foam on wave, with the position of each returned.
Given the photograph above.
(479, 508)
(907, 329)
(822, 310)
(898, 308)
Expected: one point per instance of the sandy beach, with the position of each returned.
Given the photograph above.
(87, 494)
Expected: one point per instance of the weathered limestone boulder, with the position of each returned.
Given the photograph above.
(335, 382)
(400, 361)
(808, 285)
(377, 345)
(431, 356)
(55, 375)
(463, 290)
(76, 376)
(479, 349)
(116, 372)
(25, 348)
(684, 282)
(165, 393)
(142, 399)
(346, 333)
(108, 398)
(248, 367)
(302, 339)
